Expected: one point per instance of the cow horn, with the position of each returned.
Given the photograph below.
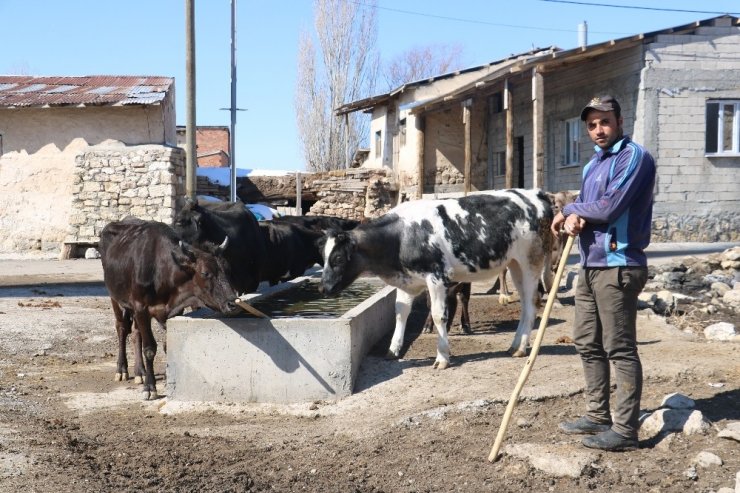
(224, 244)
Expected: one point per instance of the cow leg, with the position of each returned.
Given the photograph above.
(464, 296)
(525, 280)
(123, 329)
(504, 297)
(429, 322)
(149, 349)
(403, 308)
(139, 370)
(438, 295)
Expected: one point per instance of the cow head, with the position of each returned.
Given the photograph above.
(188, 222)
(209, 274)
(340, 264)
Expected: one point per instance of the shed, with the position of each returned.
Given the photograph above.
(46, 123)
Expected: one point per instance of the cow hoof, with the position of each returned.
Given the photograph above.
(504, 299)
(138, 379)
(466, 329)
(149, 395)
(517, 353)
(121, 377)
(441, 365)
(391, 355)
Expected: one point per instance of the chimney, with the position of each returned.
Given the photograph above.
(582, 35)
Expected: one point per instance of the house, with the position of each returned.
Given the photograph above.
(211, 144)
(52, 130)
(515, 123)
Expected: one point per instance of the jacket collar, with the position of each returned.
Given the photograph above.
(614, 149)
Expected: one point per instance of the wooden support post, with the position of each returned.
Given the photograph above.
(509, 136)
(468, 151)
(538, 129)
(420, 121)
(298, 194)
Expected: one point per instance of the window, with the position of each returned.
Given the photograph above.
(402, 131)
(723, 127)
(496, 102)
(572, 145)
(1, 144)
(499, 163)
(378, 144)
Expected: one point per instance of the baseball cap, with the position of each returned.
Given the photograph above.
(601, 103)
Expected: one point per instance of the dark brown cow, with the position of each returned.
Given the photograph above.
(151, 273)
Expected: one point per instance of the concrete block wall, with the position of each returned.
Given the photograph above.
(697, 198)
(111, 183)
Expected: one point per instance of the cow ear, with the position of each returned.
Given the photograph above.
(187, 251)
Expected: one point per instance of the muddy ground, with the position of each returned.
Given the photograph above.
(66, 426)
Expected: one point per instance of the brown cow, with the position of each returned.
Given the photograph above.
(151, 273)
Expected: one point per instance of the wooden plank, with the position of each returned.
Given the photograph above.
(468, 150)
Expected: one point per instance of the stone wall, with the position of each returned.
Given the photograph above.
(111, 183)
(721, 226)
(354, 193)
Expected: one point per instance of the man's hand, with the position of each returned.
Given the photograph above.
(571, 224)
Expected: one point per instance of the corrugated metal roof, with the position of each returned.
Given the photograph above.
(106, 90)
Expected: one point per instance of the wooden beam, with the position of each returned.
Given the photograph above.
(538, 126)
(509, 135)
(468, 151)
(420, 123)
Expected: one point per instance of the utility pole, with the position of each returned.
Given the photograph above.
(191, 158)
(232, 140)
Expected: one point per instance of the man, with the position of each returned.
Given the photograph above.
(612, 216)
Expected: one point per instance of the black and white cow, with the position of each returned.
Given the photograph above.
(429, 244)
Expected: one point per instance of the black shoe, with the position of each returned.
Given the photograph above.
(611, 441)
(583, 426)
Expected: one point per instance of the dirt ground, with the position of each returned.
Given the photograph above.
(66, 426)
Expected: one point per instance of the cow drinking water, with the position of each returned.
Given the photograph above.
(430, 244)
(150, 273)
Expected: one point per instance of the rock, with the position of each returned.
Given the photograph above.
(726, 490)
(92, 253)
(731, 254)
(707, 459)
(691, 473)
(737, 482)
(664, 303)
(710, 279)
(731, 431)
(556, 459)
(663, 421)
(677, 401)
(721, 331)
(720, 288)
(732, 298)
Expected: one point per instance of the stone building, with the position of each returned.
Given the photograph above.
(515, 123)
(78, 151)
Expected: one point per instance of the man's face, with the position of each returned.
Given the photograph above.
(604, 128)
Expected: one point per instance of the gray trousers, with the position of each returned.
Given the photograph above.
(604, 332)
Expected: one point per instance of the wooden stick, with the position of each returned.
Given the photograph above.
(533, 355)
(249, 308)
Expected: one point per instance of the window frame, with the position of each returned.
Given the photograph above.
(571, 140)
(378, 143)
(715, 128)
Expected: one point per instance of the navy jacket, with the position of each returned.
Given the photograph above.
(616, 200)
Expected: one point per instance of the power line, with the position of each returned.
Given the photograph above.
(637, 7)
(476, 21)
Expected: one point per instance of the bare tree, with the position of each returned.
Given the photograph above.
(422, 62)
(343, 69)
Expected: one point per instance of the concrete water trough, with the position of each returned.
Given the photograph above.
(281, 359)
